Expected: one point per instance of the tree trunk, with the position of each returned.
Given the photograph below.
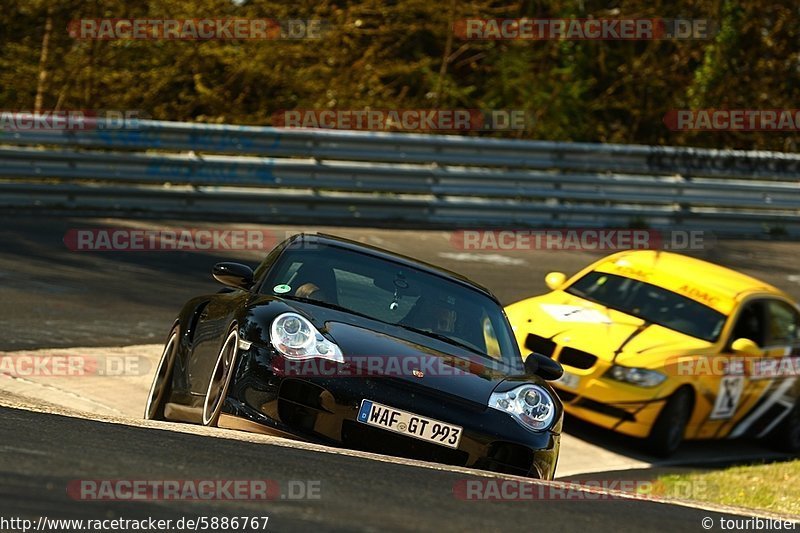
(448, 49)
(40, 86)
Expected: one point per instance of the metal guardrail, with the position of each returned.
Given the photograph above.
(165, 169)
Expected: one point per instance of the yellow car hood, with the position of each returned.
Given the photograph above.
(572, 321)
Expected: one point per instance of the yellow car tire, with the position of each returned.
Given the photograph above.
(667, 432)
(786, 437)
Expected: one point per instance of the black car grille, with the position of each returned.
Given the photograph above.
(508, 458)
(298, 417)
(302, 393)
(363, 437)
(540, 345)
(576, 358)
(299, 404)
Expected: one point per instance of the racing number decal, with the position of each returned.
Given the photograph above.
(728, 395)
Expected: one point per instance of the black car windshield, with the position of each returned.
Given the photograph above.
(650, 303)
(396, 294)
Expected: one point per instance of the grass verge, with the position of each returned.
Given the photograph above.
(771, 487)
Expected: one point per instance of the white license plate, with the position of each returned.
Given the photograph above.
(569, 381)
(405, 423)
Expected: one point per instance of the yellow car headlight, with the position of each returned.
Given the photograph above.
(636, 376)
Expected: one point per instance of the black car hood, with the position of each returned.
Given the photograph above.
(468, 377)
(445, 368)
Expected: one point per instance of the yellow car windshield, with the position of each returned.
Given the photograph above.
(650, 303)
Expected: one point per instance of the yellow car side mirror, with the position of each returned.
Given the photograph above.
(555, 280)
(746, 347)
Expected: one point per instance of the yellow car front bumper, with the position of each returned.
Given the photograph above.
(633, 410)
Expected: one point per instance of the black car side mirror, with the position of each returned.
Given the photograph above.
(233, 275)
(543, 367)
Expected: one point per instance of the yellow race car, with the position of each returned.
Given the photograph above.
(664, 347)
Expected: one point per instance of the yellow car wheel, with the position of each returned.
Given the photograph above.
(786, 437)
(667, 433)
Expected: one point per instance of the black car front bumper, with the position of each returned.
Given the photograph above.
(325, 409)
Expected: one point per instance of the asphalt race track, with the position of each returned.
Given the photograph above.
(51, 450)
(56, 298)
(122, 298)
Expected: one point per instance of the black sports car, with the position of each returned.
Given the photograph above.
(342, 343)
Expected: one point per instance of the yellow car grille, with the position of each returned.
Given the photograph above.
(568, 356)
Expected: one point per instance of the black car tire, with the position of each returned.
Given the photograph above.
(220, 378)
(667, 432)
(162, 380)
(786, 436)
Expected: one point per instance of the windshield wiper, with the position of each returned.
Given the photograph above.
(330, 306)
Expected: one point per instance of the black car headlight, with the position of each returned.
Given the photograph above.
(297, 338)
(530, 405)
(635, 376)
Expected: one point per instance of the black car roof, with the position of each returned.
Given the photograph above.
(341, 242)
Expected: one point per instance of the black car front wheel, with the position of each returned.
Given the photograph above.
(220, 379)
(162, 381)
(667, 432)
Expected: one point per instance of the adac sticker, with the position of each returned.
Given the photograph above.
(281, 289)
